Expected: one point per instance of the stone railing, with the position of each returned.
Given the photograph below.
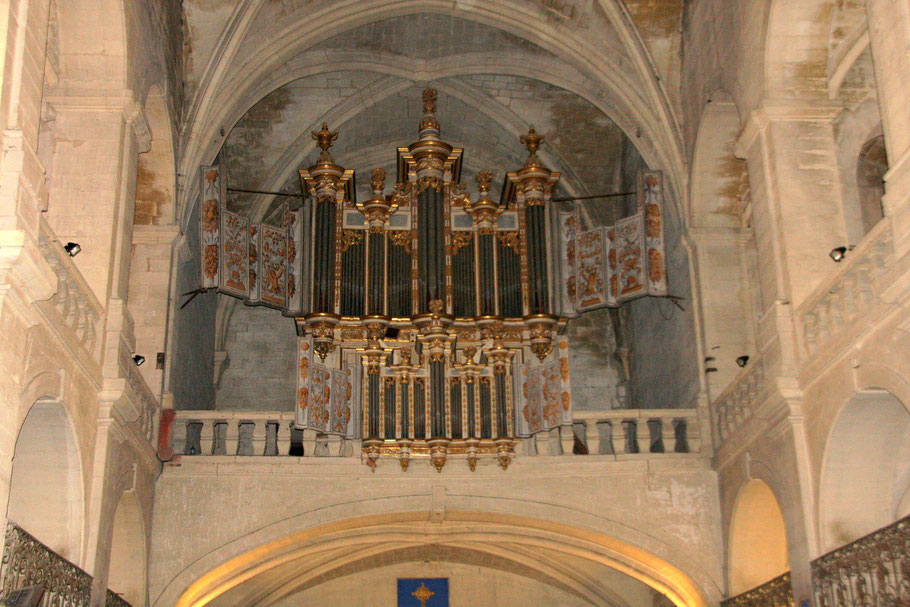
(271, 433)
(630, 431)
(846, 293)
(73, 310)
(27, 563)
(737, 403)
(775, 593)
(873, 571)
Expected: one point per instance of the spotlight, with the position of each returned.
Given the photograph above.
(837, 254)
(72, 248)
(138, 359)
(742, 361)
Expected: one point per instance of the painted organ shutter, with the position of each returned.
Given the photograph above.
(606, 266)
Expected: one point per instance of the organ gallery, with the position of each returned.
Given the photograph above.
(430, 317)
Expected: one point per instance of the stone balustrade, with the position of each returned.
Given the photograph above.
(738, 401)
(638, 432)
(73, 311)
(843, 297)
(631, 431)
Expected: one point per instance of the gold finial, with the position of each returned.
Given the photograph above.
(378, 180)
(429, 101)
(483, 181)
(423, 594)
(532, 141)
(429, 110)
(324, 140)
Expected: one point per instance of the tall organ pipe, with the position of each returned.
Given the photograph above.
(324, 257)
(501, 409)
(485, 267)
(376, 278)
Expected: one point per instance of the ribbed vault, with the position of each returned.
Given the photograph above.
(578, 561)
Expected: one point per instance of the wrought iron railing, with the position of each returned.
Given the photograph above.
(775, 593)
(28, 562)
(873, 571)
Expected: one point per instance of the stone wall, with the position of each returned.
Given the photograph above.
(258, 372)
(192, 368)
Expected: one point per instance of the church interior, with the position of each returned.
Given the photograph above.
(448, 302)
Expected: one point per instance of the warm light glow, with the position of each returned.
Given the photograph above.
(376, 534)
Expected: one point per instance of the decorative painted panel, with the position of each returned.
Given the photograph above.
(293, 221)
(255, 229)
(235, 254)
(590, 277)
(651, 192)
(210, 224)
(273, 265)
(546, 402)
(629, 247)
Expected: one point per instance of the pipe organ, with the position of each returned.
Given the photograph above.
(429, 318)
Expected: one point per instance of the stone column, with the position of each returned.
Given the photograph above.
(889, 36)
(796, 207)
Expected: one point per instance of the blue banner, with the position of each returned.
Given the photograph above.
(423, 592)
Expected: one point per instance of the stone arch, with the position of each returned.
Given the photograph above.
(648, 114)
(156, 171)
(46, 488)
(865, 472)
(129, 551)
(757, 549)
(719, 198)
(871, 167)
(348, 540)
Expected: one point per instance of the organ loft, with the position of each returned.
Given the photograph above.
(431, 319)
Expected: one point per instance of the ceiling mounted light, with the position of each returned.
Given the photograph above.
(72, 248)
(742, 361)
(837, 254)
(138, 359)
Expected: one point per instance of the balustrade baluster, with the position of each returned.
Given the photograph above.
(566, 439)
(334, 445)
(668, 433)
(592, 437)
(232, 437)
(206, 437)
(617, 436)
(178, 438)
(284, 437)
(309, 442)
(259, 435)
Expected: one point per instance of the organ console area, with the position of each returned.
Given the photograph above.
(429, 318)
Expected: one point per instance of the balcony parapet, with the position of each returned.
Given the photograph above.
(828, 312)
(630, 431)
(73, 311)
(873, 571)
(773, 593)
(27, 562)
(639, 433)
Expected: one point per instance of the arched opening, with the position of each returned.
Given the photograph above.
(871, 167)
(155, 176)
(865, 479)
(720, 211)
(127, 575)
(46, 481)
(758, 539)
(566, 563)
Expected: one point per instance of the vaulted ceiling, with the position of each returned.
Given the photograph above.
(266, 74)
